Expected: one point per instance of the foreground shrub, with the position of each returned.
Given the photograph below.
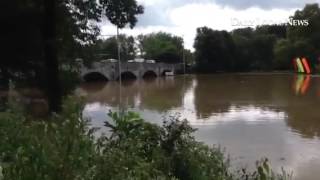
(64, 147)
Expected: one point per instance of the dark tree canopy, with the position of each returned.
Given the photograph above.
(280, 31)
(107, 49)
(40, 35)
(301, 41)
(214, 50)
(25, 36)
(122, 12)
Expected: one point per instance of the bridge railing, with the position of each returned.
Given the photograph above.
(129, 66)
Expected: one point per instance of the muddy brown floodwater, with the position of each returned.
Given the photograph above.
(251, 115)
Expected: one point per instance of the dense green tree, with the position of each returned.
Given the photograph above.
(243, 49)
(214, 50)
(286, 50)
(108, 48)
(284, 54)
(27, 23)
(303, 41)
(254, 47)
(262, 51)
(189, 57)
(310, 12)
(243, 42)
(122, 12)
(280, 31)
(162, 47)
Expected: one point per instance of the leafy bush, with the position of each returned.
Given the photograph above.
(61, 147)
(64, 147)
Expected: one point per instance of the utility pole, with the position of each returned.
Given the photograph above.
(183, 58)
(119, 63)
(119, 58)
(184, 62)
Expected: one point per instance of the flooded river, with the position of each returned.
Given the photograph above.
(251, 115)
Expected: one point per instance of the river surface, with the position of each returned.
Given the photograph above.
(251, 115)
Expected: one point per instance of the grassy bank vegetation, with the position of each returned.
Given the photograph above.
(64, 147)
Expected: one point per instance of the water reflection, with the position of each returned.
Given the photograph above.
(301, 83)
(251, 115)
(161, 94)
(208, 98)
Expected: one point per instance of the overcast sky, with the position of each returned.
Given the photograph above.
(182, 17)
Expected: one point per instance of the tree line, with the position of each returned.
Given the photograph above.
(264, 48)
(160, 46)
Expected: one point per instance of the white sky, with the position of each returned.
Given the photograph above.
(183, 17)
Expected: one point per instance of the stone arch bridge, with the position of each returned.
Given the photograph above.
(136, 70)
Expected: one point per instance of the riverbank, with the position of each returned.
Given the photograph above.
(64, 147)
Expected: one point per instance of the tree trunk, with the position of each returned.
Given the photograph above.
(4, 77)
(51, 61)
(4, 89)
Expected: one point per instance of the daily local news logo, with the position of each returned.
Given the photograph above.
(259, 22)
(298, 22)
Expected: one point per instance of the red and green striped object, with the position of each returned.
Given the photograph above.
(300, 65)
(306, 65)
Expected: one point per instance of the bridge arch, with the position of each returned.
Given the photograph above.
(149, 74)
(128, 75)
(95, 76)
